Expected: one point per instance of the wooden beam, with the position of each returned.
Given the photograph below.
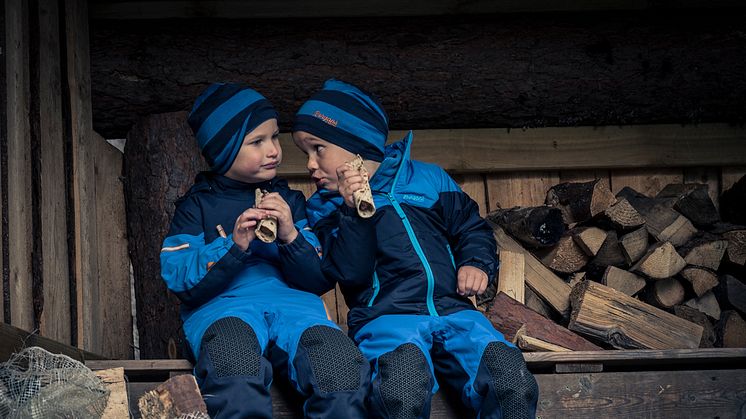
(55, 319)
(116, 405)
(13, 340)
(19, 165)
(489, 150)
(543, 281)
(253, 9)
(81, 129)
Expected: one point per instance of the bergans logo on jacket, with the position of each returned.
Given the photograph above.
(405, 258)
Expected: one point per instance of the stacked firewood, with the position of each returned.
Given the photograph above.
(625, 271)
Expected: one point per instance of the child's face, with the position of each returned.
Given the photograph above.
(259, 155)
(323, 159)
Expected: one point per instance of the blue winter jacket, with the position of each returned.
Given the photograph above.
(202, 268)
(404, 259)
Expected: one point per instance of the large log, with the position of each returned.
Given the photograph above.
(578, 64)
(160, 162)
(693, 201)
(627, 323)
(509, 316)
(532, 226)
(580, 201)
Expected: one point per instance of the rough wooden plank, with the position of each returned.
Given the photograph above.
(511, 277)
(117, 406)
(646, 181)
(13, 339)
(113, 278)
(509, 317)
(19, 165)
(474, 186)
(544, 282)
(81, 125)
(54, 321)
(625, 322)
(517, 189)
(672, 394)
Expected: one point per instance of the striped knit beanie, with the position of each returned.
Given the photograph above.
(222, 116)
(346, 116)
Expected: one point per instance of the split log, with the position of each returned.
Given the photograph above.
(532, 344)
(660, 262)
(634, 245)
(663, 223)
(536, 304)
(589, 239)
(610, 254)
(733, 202)
(734, 292)
(509, 316)
(511, 277)
(627, 323)
(692, 200)
(565, 257)
(533, 226)
(696, 316)
(177, 396)
(543, 281)
(667, 293)
(707, 304)
(736, 250)
(704, 250)
(702, 279)
(580, 201)
(731, 330)
(621, 216)
(576, 277)
(623, 281)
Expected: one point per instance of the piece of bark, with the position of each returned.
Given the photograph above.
(532, 226)
(707, 304)
(590, 239)
(696, 316)
(666, 293)
(702, 279)
(634, 245)
(627, 323)
(532, 301)
(661, 261)
(623, 281)
(508, 316)
(580, 201)
(531, 344)
(177, 396)
(565, 257)
(704, 250)
(621, 216)
(511, 276)
(734, 292)
(541, 279)
(692, 200)
(663, 223)
(731, 330)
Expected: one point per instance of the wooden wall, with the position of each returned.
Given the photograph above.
(64, 256)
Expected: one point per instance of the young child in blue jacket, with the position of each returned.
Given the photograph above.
(407, 272)
(240, 317)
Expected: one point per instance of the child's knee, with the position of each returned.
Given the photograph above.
(404, 382)
(503, 373)
(336, 363)
(232, 347)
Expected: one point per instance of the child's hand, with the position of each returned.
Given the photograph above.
(348, 180)
(243, 231)
(471, 281)
(275, 206)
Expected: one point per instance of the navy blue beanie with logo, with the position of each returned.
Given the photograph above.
(344, 115)
(222, 116)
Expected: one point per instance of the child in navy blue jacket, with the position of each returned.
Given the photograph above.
(240, 317)
(407, 272)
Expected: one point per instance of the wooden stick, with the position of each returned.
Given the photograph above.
(221, 232)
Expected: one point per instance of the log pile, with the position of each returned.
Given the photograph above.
(624, 271)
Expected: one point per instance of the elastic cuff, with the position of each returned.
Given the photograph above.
(239, 254)
(293, 245)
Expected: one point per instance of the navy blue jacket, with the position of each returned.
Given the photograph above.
(201, 267)
(404, 259)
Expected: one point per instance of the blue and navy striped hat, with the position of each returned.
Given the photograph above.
(222, 116)
(346, 116)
